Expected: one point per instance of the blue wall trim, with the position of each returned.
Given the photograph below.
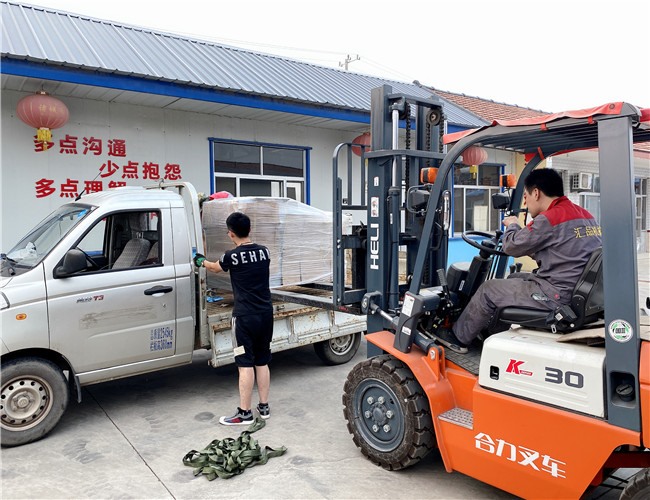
(308, 176)
(135, 84)
(31, 69)
(257, 143)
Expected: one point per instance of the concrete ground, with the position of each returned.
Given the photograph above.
(128, 437)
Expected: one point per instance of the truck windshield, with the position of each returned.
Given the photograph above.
(33, 248)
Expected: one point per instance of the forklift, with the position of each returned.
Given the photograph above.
(548, 408)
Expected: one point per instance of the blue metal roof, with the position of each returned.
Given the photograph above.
(51, 44)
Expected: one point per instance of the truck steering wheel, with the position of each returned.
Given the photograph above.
(493, 240)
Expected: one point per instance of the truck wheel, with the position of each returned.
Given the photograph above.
(33, 399)
(388, 413)
(339, 350)
(638, 487)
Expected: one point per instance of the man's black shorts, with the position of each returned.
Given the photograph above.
(254, 333)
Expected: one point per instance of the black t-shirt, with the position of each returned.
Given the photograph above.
(249, 274)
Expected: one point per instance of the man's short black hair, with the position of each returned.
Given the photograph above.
(547, 180)
(239, 224)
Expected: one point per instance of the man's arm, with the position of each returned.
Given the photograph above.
(201, 261)
(215, 267)
(518, 241)
(512, 219)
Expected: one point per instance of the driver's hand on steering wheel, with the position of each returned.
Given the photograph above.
(512, 219)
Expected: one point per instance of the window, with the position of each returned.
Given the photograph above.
(473, 198)
(253, 169)
(591, 202)
(33, 248)
(123, 240)
(641, 188)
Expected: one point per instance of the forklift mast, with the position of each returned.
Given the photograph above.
(393, 203)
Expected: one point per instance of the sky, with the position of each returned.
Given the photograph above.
(549, 55)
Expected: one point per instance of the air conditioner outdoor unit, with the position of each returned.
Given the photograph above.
(581, 182)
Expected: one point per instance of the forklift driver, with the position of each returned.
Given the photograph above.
(560, 238)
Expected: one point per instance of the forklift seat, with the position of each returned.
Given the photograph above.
(587, 304)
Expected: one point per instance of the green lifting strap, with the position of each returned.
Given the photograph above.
(228, 457)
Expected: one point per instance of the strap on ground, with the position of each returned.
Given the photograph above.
(228, 457)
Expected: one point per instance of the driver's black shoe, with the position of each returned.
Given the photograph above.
(449, 340)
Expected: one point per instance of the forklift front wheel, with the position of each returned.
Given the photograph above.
(388, 413)
(638, 487)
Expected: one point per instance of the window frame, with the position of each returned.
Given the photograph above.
(284, 180)
(464, 187)
(108, 238)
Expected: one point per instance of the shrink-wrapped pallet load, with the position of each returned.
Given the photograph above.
(298, 236)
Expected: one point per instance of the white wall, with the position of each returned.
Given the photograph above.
(151, 135)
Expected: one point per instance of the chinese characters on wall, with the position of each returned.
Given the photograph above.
(112, 173)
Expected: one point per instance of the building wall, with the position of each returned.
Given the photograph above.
(170, 138)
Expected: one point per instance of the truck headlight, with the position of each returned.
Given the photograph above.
(4, 302)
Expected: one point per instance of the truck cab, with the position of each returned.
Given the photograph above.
(115, 267)
(103, 287)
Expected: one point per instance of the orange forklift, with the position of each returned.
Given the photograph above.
(549, 408)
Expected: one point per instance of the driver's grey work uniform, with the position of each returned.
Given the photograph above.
(561, 239)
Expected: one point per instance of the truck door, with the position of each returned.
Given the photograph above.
(121, 309)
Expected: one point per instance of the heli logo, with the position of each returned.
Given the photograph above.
(515, 367)
(374, 246)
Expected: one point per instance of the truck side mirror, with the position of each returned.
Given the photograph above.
(74, 261)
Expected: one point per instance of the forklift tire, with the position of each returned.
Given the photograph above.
(339, 350)
(638, 487)
(388, 413)
(34, 397)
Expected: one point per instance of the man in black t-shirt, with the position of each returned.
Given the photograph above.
(252, 316)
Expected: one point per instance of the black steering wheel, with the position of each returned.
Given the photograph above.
(490, 248)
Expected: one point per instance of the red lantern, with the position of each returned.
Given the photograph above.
(474, 155)
(364, 140)
(43, 112)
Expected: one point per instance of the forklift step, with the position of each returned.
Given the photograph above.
(471, 360)
(458, 416)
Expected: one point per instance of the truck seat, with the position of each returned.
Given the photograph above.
(587, 304)
(135, 251)
(152, 256)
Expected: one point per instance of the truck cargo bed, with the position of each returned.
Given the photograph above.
(293, 325)
(220, 312)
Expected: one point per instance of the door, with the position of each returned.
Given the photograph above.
(121, 309)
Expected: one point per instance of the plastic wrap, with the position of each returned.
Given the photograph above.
(298, 236)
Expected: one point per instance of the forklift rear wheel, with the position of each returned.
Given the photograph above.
(34, 397)
(638, 487)
(388, 413)
(339, 350)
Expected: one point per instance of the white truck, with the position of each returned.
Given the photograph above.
(105, 288)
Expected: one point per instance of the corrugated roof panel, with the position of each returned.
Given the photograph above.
(58, 37)
(121, 56)
(18, 36)
(197, 61)
(150, 48)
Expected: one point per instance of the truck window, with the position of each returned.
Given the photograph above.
(123, 240)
